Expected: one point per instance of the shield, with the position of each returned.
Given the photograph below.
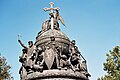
(49, 56)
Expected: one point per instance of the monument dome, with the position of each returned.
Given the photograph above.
(45, 37)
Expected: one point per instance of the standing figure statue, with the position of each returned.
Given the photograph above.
(30, 50)
(75, 55)
(56, 17)
(73, 49)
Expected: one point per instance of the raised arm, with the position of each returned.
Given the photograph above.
(22, 44)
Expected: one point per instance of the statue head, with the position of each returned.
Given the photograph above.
(84, 62)
(73, 42)
(30, 43)
(24, 51)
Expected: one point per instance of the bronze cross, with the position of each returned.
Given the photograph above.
(51, 9)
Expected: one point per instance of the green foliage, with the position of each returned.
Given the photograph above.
(4, 69)
(112, 65)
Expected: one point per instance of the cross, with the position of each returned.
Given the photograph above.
(51, 9)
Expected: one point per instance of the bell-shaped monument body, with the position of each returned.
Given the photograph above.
(53, 56)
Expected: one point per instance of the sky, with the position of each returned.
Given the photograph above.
(94, 24)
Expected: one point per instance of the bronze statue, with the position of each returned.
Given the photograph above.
(54, 17)
(23, 59)
(30, 49)
(73, 49)
(64, 62)
(46, 25)
(24, 56)
(52, 55)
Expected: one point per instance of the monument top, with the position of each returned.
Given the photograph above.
(53, 55)
(51, 9)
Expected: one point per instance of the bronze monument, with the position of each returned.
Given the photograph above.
(53, 55)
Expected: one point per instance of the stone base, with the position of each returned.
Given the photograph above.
(56, 75)
(59, 79)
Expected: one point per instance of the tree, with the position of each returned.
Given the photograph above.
(4, 69)
(112, 65)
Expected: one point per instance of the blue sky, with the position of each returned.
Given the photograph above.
(94, 24)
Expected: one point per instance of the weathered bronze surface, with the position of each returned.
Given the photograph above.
(53, 55)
